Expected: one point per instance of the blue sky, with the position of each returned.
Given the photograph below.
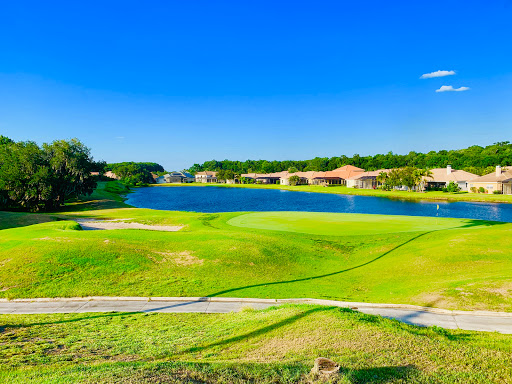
(180, 82)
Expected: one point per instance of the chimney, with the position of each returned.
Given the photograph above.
(498, 170)
(448, 169)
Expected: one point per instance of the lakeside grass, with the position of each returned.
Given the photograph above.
(343, 190)
(446, 263)
(276, 345)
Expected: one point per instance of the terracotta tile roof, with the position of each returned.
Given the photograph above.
(506, 176)
(263, 175)
(349, 168)
(442, 175)
(306, 175)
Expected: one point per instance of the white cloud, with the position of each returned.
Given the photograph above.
(449, 88)
(437, 74)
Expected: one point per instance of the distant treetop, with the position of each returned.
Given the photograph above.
(475, 159)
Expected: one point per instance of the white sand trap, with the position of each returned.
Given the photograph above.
(95, 225)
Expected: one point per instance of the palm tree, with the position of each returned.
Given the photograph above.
(382, 177)
(424, 174)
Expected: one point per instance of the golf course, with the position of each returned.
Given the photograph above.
(445, 263)
(436, 262)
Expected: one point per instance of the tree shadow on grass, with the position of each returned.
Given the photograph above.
(381, 374)
(16, 219)
(263, 330)
(479, 223)
(103, 315)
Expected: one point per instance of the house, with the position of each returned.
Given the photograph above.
(110, 175)
(441, 177)
(339, 176)
(500, 180)
(367, 180)
(183, 177)
(264, 178)
(175, 177)
(206, 177)
(304, 177)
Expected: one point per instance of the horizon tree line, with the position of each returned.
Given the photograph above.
(475, 159)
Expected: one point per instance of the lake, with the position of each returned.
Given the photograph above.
(224, 199)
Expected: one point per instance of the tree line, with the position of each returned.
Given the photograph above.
(35, 178)
(132, 173)
(475, 159)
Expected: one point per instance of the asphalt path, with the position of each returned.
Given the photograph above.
(475, 321)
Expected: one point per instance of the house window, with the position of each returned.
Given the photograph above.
(490, 187)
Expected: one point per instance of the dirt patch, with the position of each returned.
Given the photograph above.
(55, 239)
(434, 300)
(504, 290)
(181, 258)
(119, 224)
(3, 262)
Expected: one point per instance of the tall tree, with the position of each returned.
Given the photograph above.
(34, 178)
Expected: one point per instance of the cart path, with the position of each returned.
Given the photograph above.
(422, 316)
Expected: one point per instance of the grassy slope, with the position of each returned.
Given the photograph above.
(276, 345)
(467, 268)
(434, 195)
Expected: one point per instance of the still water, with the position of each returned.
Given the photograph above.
(222, 199)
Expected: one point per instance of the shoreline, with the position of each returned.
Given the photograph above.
(342, 190)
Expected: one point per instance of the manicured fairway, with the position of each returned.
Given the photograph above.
(346, 224)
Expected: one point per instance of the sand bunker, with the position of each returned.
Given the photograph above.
(115, 224)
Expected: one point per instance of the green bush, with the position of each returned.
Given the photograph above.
(482, 190)
(497, 192)
(294, 180)
(452, 187)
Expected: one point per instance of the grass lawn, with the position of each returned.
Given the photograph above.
(451, 263)
(403, 195)
(277, 345)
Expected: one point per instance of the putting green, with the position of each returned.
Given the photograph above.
(345, 224)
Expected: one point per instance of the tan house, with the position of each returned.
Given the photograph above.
(500, 180)
(304, 177)
(340, 176)
(441, 177)
(206, 177)
(264, 178)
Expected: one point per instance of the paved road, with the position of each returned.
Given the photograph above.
(476, 321)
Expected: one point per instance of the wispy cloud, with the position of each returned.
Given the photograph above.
(120, 137)
(437, 74)
(449, 88)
